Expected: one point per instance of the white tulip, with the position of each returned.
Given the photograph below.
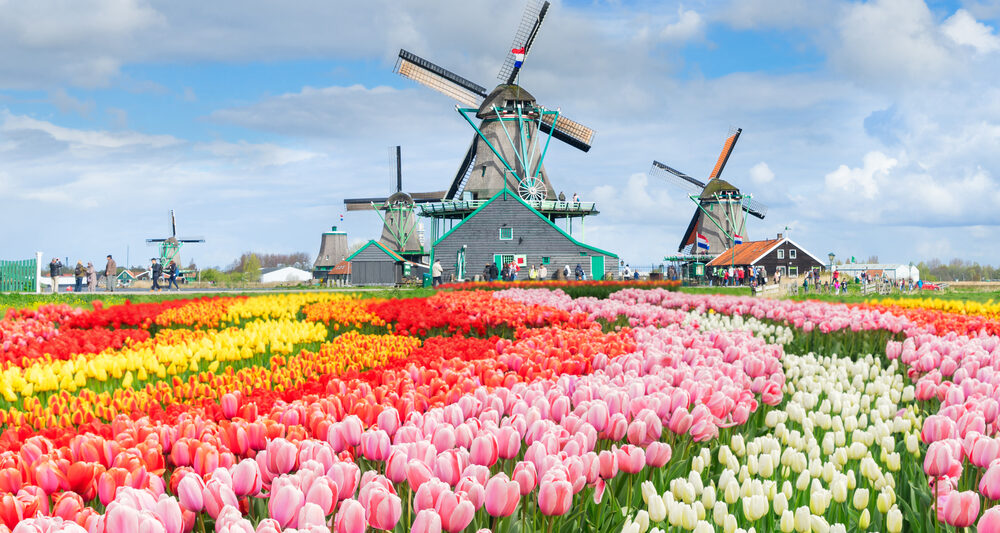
(703, 527)
(657, 509)
(642, 520)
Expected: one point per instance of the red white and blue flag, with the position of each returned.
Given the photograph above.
(518, 56)
(737, 239)
(702, 241)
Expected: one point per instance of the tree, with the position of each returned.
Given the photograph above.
(251, 268)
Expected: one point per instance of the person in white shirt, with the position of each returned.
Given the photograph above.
(436, 272)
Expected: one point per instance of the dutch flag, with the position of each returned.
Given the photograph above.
(702, 241)
(518, 56)
(737, 239)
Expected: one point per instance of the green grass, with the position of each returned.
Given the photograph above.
(970, 296)
(729, 291)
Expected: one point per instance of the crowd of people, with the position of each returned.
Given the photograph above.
(741, 276)
(110, 274)
(511, 271)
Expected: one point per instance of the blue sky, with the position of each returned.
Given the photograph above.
(870, 128)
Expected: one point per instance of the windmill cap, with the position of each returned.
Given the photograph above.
(500, 96)
(716, 186)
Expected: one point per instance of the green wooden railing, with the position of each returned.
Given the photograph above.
(18, 276)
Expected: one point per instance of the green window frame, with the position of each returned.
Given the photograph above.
(506, 234)
(546, 260)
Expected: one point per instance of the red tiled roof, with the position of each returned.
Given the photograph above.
(342, 268)
(744, 253)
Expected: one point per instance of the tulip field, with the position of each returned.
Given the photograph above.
(513, 409)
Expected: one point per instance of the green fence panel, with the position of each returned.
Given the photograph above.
(17, 276)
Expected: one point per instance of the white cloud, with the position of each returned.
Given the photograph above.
(761, 173)
(862, 180)
(747, 14)
(85, 139)
(964, 29)
(689, 25)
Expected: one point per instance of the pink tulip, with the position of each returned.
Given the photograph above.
(449, 466)
(120, 517)
(426, 521)
(427, 496)
(456, 512)
(383, 508)
(658, 454)
(281, 456)
(989, 486)
(267, 525)
(388, 421)
(526, 476)
(485, 450)
(961, 508)
(508, 442)
(247, 480)
(984, 451)
(345, 475)
(67, 505)
(217, 495)
(502, 495)
(631, 459)
(443, 438)
(680, 421)
(939, 461)
(323, 492)
(395, 465)
(170, 513)
(554, 497)
(311, 515)
(989, 522)
(937, 427)
(375, 445)
(473, 490)
(350, 517)
(608, 461)
(230, 404)
(189, 492)
(284, 503)
(351, 428)
(417, 474)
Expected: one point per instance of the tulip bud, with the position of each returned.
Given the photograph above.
(642, 520)
(882, 501)
(861, 498)
(787, 521)
(894, 520)
(838, 490)
(780, 504)
(719, 513)
(802, 516)
(729, 524)
(865, 519)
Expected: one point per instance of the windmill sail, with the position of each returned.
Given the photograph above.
(531, 21)
(568, 131)
(727, 150)
(678, 178)
(440, 79)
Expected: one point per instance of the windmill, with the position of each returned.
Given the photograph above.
(719, 220)
(507, 151)
(399, 222)
(170, 247)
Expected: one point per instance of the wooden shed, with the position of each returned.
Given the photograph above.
(507, 229)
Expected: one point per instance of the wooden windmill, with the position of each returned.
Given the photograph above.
(170, 247)
(719, 220)
(399, 222)
(512, 130)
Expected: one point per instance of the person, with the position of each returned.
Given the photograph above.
(576, 198)
(805, 283)
(488, 273)
(542, 273)
(78, 274)
(578, 272)
(91, 277)
(172, 272)
(494, 272)
(155, 271)
(562, 197)
(635, 275)
(626, 273)
(533, 274)
(55, 266)
(110, 274)
(566, 272)
(514, 269)
(436, 272)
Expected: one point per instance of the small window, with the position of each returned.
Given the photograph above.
(791, 254)
(583, 254)
(793, 271)
(781, 270)
(781, 253)
(546, 260)
(506, 234)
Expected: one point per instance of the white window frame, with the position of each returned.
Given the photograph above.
(793, 271)
(781, 253)
(791, 253)
(781, 270)
(511, 230)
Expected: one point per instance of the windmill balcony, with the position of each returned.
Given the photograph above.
(549, 208)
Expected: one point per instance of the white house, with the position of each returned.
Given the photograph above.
(877, 270)
(284, 275)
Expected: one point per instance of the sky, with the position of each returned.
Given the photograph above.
(869, 128)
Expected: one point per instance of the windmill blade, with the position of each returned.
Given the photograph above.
(531, 21)
(727, 149)
(442, 80)
(676, 177)
(690, 236)
(173, 224)
(463, 171)
(396, 169)
(568, 131)
(363, 204)
(192, 239)
(151, 241)
(753, 207)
